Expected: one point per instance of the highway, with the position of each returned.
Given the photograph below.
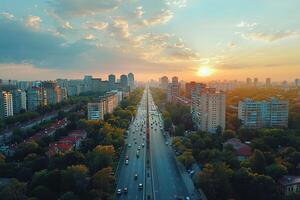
(135, 138)
(167, 180)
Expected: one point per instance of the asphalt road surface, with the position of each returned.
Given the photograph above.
(167, 181)
(136, 165)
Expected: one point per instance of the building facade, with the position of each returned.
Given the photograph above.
(7, 104)
(264, 114)
(208, 110)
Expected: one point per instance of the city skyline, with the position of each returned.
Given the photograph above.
(225, 40)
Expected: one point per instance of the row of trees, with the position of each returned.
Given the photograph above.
(86, 173)
(177, 117)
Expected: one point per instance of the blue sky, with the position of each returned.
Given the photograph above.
(70, 38)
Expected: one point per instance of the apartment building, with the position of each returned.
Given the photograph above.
(208, 109)
(271, 113)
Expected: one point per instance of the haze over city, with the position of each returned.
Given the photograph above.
(68, 39)
(149, 100)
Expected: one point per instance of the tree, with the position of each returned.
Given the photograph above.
(258, 162)
(215, 181)
(69, 196)
(74, 178)
(276, 171)
(14, 190)
(186, 158)
(179, 130)
(42, 192)
(104, 182)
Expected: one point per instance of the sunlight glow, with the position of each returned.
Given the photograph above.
(205, 71)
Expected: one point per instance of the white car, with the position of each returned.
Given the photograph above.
(126, 162)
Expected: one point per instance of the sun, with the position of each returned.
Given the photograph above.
(205, 71)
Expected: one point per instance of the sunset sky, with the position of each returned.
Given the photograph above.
(69, 38)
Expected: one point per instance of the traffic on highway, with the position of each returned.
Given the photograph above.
(166, 180)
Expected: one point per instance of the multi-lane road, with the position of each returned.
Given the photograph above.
(136, 141)
(166, 180)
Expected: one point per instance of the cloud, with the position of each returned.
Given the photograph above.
(33, 22)
(139, 12)
(7, 15)
(161, 18)
(42, 49)
(67, 25)
(96, 25)
(178, 3)
(244, 24)
(77, 8)
(119, 28)
(231, 45)
(89, 37)
(270, 37)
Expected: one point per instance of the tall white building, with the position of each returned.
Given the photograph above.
(19, 100)
(264, 114)
(208, 109)
(106, 104)
(7, 103)
(96, 111)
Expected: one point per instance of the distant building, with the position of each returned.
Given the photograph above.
(6, 104)
(175, 80)
(208, 110)
(19, 101)
(96, 111)
(172, 91)
(243, 151)
(190, 87)
(124, 82)
(255, 82)
(35, 98)
(88, 83)
(49, 88)
(164, 82)
(111, 82)
(289, 185)
(268, 82)
(106, 104)
(249, 81)
(262, 114)
(131, 81)
(297, 82)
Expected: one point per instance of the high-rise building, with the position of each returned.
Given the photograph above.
(7, 104)
(190, 87)
(268, 82)
(96, 111)
(249, 81)
(49, 88)
(263, 114)
(164, 82)
(19, 100)
(297, 82)
(208, 110)
(172, 91)
(131, 81)
(175, 80)
(106, 104)
(255, 82)
(112, 82)
(124, 81)
(35, 98)
(87, 81)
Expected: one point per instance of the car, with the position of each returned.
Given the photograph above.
(119, 191)
(125, 190)
(126, 157)
(143, 145)
(167, 143)
(140, 186)
(139, 148)
(126, 162)
(135, 142)
(129, 145)
(135, 176)
(187, 198)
